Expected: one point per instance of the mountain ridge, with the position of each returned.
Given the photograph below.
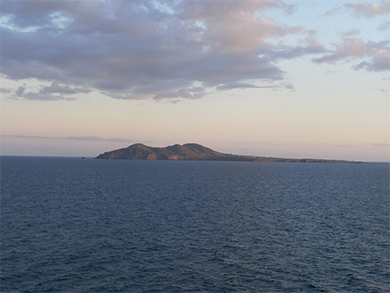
(194, 152)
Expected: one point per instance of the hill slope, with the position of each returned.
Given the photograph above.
(191, 151)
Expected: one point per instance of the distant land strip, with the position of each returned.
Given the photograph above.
(195, 152)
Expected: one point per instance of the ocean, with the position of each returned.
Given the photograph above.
(73, 225)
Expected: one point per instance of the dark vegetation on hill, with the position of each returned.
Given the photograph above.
(192, 151)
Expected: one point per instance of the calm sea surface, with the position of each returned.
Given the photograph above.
(72, 225)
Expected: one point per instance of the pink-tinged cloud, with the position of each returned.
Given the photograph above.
(223, 23)
(377, 54)
(369, 10)
(155, 49)
(350, 47)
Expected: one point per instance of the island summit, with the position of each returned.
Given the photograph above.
(194, 152)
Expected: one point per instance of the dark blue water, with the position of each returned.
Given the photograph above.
(71, 225)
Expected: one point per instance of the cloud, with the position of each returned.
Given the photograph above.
(20, 91)
(83, 138)
(380, 62)
(369, 10)
(377, 54)
(62, 89)
(54, 92)
(346, 146)
(240, 85)
(290, 52)
(385, 26)
(5, 90)
(349, 47)
(96, 138)
(381, 145)
(153, 49)
(351, 33)
(138, 49)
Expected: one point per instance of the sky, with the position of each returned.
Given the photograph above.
(292, 78)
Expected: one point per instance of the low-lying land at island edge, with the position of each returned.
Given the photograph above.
(195, 152)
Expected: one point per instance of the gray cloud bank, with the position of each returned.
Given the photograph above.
(158, 49)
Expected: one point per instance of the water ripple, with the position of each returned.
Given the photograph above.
(141, 226)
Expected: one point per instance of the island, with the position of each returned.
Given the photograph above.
(194, 152)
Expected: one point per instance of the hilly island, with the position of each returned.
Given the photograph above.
(194, 152)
